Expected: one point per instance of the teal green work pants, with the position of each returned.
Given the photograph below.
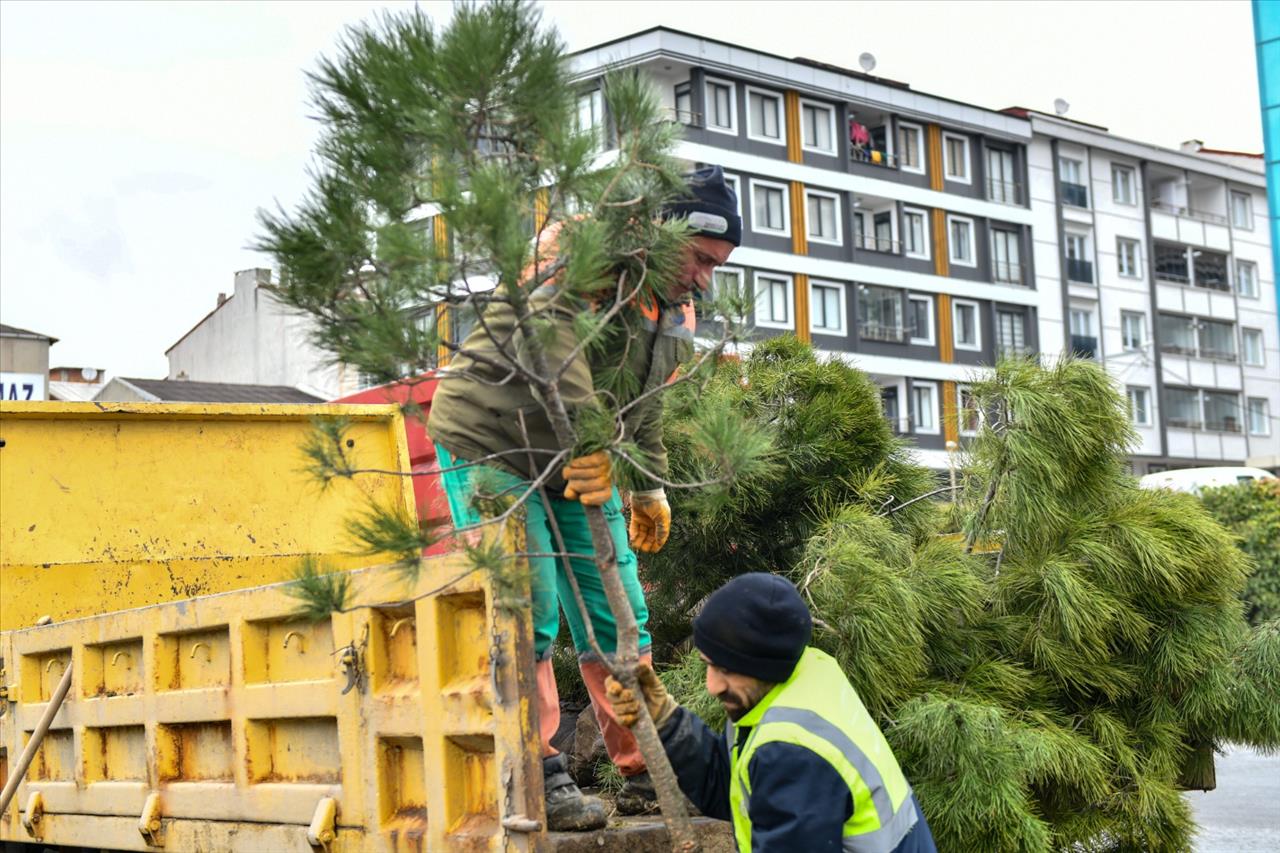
(549, 586)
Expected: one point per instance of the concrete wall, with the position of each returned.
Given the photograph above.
(28, 357)
(251, 338)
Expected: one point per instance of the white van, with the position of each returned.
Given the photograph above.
(1195, 479)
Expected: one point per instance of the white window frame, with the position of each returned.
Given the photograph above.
(924, 237)
(961, 390)
(839, 219)
(946, 159)
(928, 300)
(715, 291)
(1133, 411)
(976, 346)
(844, 308)
(786, 208)
(933, 396)
(791, 299)
(1254, 294)
(1144, 338)
(736, 182)
(1081, 311)
(1266, 416)
(920, 147)
(732, 129)
(831, 123)
(1070, 237)
(1137, 257)
(1262, 348)
(1062, 169)
(748, 91)
(973, 241)
(1117, 168)
(1248, 210)
(596, 99)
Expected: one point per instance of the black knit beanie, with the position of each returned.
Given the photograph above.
(711, 206)
(755, 625)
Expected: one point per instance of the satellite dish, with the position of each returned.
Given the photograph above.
(868, 62)
(89, 373)
(1060, 106)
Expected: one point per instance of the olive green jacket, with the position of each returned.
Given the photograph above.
(473, 418)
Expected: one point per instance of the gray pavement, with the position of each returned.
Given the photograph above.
(1242, 815)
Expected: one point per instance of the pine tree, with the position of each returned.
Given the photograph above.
(1052, 656)
(469, 132)
(1252, 512)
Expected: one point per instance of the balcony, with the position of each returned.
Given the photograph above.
(1227, 424)
(874, 157)
(1079, 270)
(884, 334)
(689, 118)
(1184, 423)
(884, 245)
(1003, 272)
(1084, 346)
(1004, 192)
(1188, 212)
(1076, 195)
(1012, 350)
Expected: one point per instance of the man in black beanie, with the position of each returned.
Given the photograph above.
(801, 766)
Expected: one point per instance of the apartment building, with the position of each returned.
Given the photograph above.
(920, 238)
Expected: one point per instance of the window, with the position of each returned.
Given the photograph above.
(1210, 269)
(1251, 344)
(722, 112)
(735, 185)
(889, 405)
(684, 104)
(884, 234)
(965, 325)
(1222, 411)
(1133, 330)
(910, 148)
(960, 241)
(1127, 257)
(956, 149)
(773, 301)
(826, 308)
(1070, 170)
(1082, 322)
(823, 214)
(1217, 340)
(1002, 183)
(1182, 407)
(1177, 334)
(817, 128)
(1139, 406)
(770, 212)
(1010, 333)
(591, 115)
(915, 232)
(725, 282)
(1076, 247)
(1242, 210)
(970, 416)
(1171, 263)
(764, 116)
(1259, 416)
(859, 223)
(880, 314)
(924, 406)
(1247, 279)
(1122, 185)
(1006, 264)
(920, 319)
(1074, 193)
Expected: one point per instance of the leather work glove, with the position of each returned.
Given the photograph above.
(589, 479)
(626, 707)
(650, 521)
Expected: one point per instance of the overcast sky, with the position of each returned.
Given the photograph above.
(137, 141)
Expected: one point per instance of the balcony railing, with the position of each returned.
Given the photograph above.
(1173, 275)
(887, 334)
(1224, 425)
(1218, 354)
(874, 157)
(1084, 346)
(1004, 192)
(869, 243)
(1006, 273)
(687, 117)
(1184, 423)
(1076, 195)
(1079, 270)
(1012, 351)
(1188, 212)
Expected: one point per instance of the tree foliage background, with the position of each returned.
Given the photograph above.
(1252, 512)
(1051, 688)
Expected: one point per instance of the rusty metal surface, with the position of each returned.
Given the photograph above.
(641, 835)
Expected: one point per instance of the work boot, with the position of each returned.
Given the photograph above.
(568, 809)
(637, 796)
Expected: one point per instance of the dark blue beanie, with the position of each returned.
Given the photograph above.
(711, 206)
(755, 625)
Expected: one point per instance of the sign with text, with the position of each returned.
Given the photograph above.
(22, 386)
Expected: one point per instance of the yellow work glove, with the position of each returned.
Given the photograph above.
(589, 479)
(626, 707)
(650, 520)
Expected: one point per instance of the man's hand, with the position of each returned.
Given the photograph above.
(626, 707)
(650, 521)
(589, 479)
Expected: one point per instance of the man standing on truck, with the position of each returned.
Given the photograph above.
(476, 415)
(801, 765)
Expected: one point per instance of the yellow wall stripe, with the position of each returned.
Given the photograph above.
(946, 338)
(934, 136)
(799, 225)
(950, 413)
(802, 307)
(443, 353)
(941, 255)
(541, 206)
(791, 107)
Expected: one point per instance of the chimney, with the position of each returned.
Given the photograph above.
(1192, 146)
(222, 297)
(249, 280)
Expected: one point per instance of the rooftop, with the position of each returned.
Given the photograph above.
(184, 391)
(15, 332)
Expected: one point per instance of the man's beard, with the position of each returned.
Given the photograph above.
(737, 703)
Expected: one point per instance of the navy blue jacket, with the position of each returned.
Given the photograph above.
(798, 800)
